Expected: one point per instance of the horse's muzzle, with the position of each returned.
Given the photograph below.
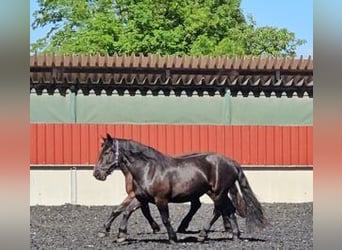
(99, 175)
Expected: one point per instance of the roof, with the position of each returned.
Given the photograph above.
(166, 74)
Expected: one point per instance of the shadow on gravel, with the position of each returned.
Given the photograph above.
(186, 232)
(190, 239)
(190, 232)
(133, 241)
(210, 231)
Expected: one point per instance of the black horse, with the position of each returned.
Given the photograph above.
(130, 204)
(160, 179)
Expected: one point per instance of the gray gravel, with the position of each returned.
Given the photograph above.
(75, 227)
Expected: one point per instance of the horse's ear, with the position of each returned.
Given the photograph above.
(109, 138)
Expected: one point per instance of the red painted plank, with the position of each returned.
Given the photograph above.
(270, 147)
(50, 143)
(310, 145)
(254, 149)
(161, 138)
(170, 139)
(236, 133)
(286, 145)
(67, 146)
(144, 131)
(262, 145)
(278, 145)
(118, 131)
(128, 133)
(41, 143)
(187, 139)
(302, 145)
(294, 144)
(195, 139)
(219, 137)
(76, 144)
(85, 143)
(95, 141)
(203, 139)
(33, 144)
(136, 132)
(229, 141)
(178, 140)
(102, 130)
(245, 145)
(59, 144)
(153, 136)
(212, 138)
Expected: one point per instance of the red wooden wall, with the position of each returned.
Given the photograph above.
(63, 144)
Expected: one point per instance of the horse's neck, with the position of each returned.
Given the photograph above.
(133, 164)
(143, 150)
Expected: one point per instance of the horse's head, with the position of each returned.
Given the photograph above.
(108, 158)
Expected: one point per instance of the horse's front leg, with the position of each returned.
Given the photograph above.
(164, 214)
(122, 235)
(195, 205)
(147, 213)
(106, 226)
(134, 205)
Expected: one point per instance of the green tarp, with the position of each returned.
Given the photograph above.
(171, 110)
(52, 109)
(271, 111)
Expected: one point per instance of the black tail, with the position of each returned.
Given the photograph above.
(255, 217)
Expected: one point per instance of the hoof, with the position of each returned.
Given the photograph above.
(181, 230)
(230, 235)
(120, 239)
(102, 234)
(173, 241)
(202, 236)
(156, 229)
(239, 235)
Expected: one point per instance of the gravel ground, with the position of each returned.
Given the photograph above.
(75, 227)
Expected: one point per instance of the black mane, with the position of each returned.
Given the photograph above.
(145, 152)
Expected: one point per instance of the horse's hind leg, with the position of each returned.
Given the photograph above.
(228, 211)
(231, 213)
(228, 226)
(195, 205)
(204, 232)
(233, 217)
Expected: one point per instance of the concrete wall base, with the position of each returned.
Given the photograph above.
(60, 186)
